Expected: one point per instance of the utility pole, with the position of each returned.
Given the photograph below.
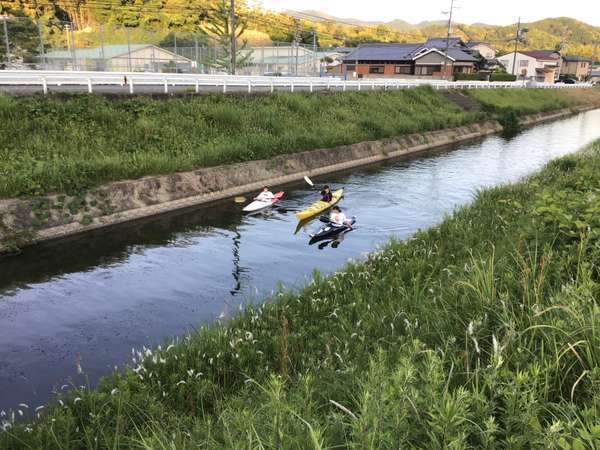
(561, 46)
(129, 65)
(71, 46)
(4, 21)
(42, 49)
(314, 42)
(516, 47)
(448, 37)
(519, 37)
(296, 45)
(233, 43)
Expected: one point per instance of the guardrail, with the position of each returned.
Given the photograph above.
(134, 80)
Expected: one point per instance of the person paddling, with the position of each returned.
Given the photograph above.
(338, 218)
(326, 194)
(265, 196)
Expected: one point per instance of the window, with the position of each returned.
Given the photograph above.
(524, 63)
(350, 67)
(406, 70)
(377, 69)
(428, 70)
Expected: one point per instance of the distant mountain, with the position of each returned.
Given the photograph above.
(577, 37)
(396, 24)
(155, 20)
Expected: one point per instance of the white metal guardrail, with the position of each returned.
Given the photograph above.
(133, 80)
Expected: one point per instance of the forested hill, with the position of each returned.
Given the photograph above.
(188, 16)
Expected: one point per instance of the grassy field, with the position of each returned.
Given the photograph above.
(483, 332)
(71, 143)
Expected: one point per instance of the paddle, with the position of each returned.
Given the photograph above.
(309, 181)
(239, 199)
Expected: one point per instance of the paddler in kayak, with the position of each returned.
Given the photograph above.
(326, 194)
(338, 219)
(265, 196)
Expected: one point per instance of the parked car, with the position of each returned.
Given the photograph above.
(566, 81)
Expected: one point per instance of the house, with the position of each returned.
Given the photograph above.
(429, 59)
(537, 65)
(117, 58)
(595, 77)
(481, 48)
(576, 67)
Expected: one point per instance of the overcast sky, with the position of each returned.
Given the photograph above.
(500, 12)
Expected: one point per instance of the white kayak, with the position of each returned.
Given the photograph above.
(257, 205)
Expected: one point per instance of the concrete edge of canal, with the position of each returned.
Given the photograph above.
(59, 216)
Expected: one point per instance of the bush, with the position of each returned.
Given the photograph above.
(510, 122)
(502, 77)
(468, 77)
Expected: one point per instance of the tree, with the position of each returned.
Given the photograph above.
(23, 38)
(220, 27)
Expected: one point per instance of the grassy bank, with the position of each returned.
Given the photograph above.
(70, 143)
(482, 332)
(530, 101)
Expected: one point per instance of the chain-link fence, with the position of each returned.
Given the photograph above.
(55, 45)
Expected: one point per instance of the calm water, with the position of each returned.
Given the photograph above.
(94, 298)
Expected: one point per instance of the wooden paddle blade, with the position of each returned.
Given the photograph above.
(239, 199)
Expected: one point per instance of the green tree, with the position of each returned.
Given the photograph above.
(23, 38)
(219, 26)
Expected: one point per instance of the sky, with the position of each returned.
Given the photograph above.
(496, 12)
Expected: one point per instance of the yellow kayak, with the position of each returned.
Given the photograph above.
(320, 206)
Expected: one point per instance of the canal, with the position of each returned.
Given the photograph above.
(70, 311)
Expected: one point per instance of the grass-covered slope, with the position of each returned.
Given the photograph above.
(529, 101)
(483, 332)
(69, 143)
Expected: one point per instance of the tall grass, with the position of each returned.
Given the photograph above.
(71, 143)
(522, 101)
(482, 332)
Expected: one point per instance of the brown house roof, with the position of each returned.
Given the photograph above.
(541, 54)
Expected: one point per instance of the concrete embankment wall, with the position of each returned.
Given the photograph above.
(56, 216)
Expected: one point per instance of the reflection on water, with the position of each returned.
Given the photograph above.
(99, 295)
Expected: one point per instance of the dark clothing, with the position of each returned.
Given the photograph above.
(326, 196)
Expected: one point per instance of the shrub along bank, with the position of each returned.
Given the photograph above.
(482, 332)
(70, 143)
